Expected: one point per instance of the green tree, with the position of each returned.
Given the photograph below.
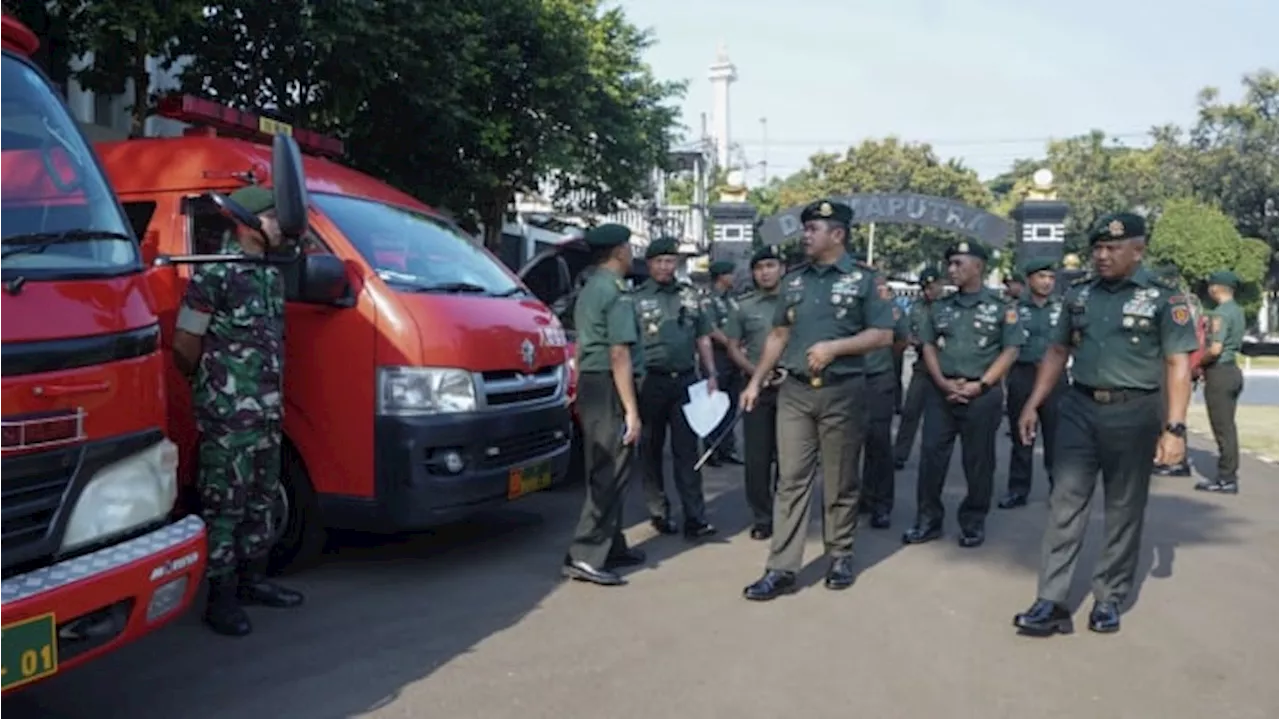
(888, 165)
(123, 36)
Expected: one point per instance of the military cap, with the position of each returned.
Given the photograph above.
(768, 252)
(967, 247)
(610, 235)
(1226, 278)
(254, 198)
(720, 267)
(662, 246)
(827, 210)
(928, 275)
(1118, 226)
(1038, 264)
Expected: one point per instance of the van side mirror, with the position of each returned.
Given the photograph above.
(290, 187)
(322, 280)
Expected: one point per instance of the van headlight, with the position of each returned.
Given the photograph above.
(405, 391)
(125, 494)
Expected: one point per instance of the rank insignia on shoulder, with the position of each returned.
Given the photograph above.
(1011, 316)
(1181, 315)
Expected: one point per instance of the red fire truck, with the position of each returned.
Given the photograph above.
(92, 556)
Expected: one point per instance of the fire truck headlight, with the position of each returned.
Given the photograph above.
(125, 494)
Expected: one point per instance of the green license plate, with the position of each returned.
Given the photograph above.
(30, 651)
(528, 479)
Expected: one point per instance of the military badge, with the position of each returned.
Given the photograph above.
(1116, 228)
(1011, 316)
(1181, 315)
(826, 210)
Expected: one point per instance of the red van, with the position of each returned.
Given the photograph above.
(434, 385)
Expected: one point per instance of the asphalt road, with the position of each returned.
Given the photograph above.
(474, 622)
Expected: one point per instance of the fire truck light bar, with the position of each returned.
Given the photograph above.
(197, 111)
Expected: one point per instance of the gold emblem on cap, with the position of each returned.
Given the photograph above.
(962, 248)
(826, 210)
(1116, 228)
(815, 382)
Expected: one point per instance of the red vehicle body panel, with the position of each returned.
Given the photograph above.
(118, 398)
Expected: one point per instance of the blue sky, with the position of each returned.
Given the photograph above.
(987, 81)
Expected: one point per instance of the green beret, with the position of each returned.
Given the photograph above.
(1038, 264)
(768, 252)
(966, 247)
(1226, 278)
(662, 246)
(837, 212)
(1118, 226)
(928, 275)
(254, 198)
(720, 267)
(610, 235)
(1016, 276)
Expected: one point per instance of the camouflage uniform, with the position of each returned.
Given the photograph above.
(237, 395)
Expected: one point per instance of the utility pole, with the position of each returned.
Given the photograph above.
(764, 151)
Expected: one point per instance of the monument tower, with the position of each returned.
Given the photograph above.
(722, 74)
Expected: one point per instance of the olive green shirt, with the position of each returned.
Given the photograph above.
(970, 330)
(881, 360)
(1226, 325)
(915, 315)
(829, 302)
(753, 322)
(720, 307)
(604, 316)
(671, 321)
(1120, 332)
(1038, 322)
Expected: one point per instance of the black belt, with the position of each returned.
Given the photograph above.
(966, 379)
(808, 381)
(673, 374)
(1112, 396)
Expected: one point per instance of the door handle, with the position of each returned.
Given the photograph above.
(64, 390)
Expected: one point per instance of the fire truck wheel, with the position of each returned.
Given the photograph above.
(301, 539)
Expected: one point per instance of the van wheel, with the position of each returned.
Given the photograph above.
(300, 538)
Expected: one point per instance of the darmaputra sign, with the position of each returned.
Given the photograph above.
(903, 208)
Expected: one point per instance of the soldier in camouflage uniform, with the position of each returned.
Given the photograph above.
(230, 336)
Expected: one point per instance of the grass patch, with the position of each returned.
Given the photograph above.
(1258, 427)
(1265, 362)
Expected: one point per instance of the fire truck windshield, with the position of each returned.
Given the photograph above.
(58, 217)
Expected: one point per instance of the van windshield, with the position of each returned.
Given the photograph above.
(414, 252)
(58, 217)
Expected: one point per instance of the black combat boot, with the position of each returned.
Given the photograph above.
(223, 613)
(255, 588)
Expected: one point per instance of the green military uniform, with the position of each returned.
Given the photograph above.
(671, 322)
(1038, 323)
(720, 306)
(1119, 333)
(604, 317)
(751, 324)
(920, 385)
(969, 331)
(237, 309)
(1223, 382)
(822, 417)
(883, 382)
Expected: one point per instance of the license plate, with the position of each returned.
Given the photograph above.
(30, 651)
(528, 479)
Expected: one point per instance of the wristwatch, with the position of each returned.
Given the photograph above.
(982, 384)
(1177, 429)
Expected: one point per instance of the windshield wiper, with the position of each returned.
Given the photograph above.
(452, 288)
(36, 242)
(517, 290)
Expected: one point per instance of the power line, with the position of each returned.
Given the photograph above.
(771, 142)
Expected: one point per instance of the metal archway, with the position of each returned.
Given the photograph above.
(900, 208)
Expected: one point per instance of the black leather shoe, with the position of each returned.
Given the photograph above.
(971, 537)
(730, 458)
(840, 574)
(899, 464)
(921, 533)
(1011, 500)
(864, 508)
(662, 525)
(772, 585)
(1105, 618)
(223, 614)
(880, 519)
(629, 557)
(1171, 470)
(583, 572)
(761, 532)
(713, 461)
(255, 588)
(1218, 486)
(1044, 619)
(698, 530)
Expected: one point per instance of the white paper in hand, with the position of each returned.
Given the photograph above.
(704, 412)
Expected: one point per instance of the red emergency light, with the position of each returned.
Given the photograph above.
(18, 37)
(198, 111)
